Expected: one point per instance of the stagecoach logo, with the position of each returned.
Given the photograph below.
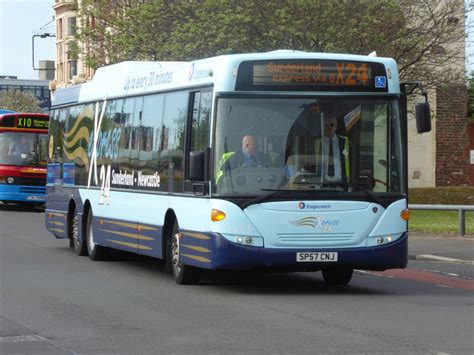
(313, 206)
(317, 222)
(198, 74)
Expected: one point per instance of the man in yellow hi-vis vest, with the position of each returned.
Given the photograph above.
(248, 156)
(332, 153)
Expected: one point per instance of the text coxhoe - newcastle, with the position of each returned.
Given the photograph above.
(140, 180)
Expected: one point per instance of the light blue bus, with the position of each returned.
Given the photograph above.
(228, 163)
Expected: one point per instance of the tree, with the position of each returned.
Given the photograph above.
(422, 35)
(19, 101)
(470, 97)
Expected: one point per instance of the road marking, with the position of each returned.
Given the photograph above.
(22, 339)
(429, 257)
(428, 277)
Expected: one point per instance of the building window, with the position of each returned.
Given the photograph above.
(71, 26)
(72, 68)
(59, 28)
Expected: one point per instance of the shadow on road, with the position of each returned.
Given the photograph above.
(13, 207)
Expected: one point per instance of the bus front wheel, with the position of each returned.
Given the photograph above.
(183, 274)
(337, 276)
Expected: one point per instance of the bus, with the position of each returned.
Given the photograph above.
(23, 157)
(140, 160)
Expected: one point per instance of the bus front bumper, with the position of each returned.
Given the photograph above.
(24, 194)
(227, 255)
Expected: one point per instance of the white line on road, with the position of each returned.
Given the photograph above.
(22, 339)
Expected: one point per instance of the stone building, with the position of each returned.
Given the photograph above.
(70, 64)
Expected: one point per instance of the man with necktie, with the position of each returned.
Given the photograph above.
(332, 153)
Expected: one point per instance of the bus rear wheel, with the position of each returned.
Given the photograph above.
(183, 274)
(76, 240)
(337, 276)
(96, 252)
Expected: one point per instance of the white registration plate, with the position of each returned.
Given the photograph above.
(305, 257)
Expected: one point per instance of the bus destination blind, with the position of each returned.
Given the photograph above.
(25, 122)
(314, 75)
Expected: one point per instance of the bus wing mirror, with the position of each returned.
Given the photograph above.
(423, 117)
(196, 165)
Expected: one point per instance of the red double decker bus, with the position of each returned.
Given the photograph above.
(23, 154)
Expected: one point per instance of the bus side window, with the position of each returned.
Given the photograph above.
(172, 155)
(200, 122)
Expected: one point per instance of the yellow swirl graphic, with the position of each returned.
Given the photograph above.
(82, 133)
(76, 124)
(79, 153)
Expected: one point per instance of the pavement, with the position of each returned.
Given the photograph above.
(447, 248)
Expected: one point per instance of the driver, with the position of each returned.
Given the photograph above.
(20, 146)
(248, 156)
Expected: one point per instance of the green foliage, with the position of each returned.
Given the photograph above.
(19, 101)
(448, 195)
(415, 33)
(73, 50)
(470, 98)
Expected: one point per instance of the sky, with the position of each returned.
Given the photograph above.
(19, 21)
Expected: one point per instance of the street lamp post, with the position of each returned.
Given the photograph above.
(42, 35)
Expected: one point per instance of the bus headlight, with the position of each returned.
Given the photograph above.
(246, 240)
(382, 239)
(6, 179)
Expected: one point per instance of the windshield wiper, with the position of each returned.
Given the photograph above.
(262, 198)
(274, 192)
(369, 193)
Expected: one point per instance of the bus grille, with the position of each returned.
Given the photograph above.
(33, 189)
(313, 239)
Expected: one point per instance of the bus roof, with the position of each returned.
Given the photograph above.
(135, 78)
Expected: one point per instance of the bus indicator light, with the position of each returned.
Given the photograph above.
(217, 215)
(405, 214)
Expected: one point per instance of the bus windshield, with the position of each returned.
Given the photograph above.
(23, 148)
(264, 144)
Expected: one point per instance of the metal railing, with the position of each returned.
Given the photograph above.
(461, 208)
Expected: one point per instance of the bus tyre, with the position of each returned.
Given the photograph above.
(183, 274)
(337, 276)
(76, 240)
(96, 252)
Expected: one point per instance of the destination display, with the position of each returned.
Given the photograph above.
(25, 122)
(313, 75)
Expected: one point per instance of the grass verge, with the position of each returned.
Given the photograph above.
(439, 222)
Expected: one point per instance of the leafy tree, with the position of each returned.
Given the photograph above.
(470, 98)
(422, 35)
(19, 101)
